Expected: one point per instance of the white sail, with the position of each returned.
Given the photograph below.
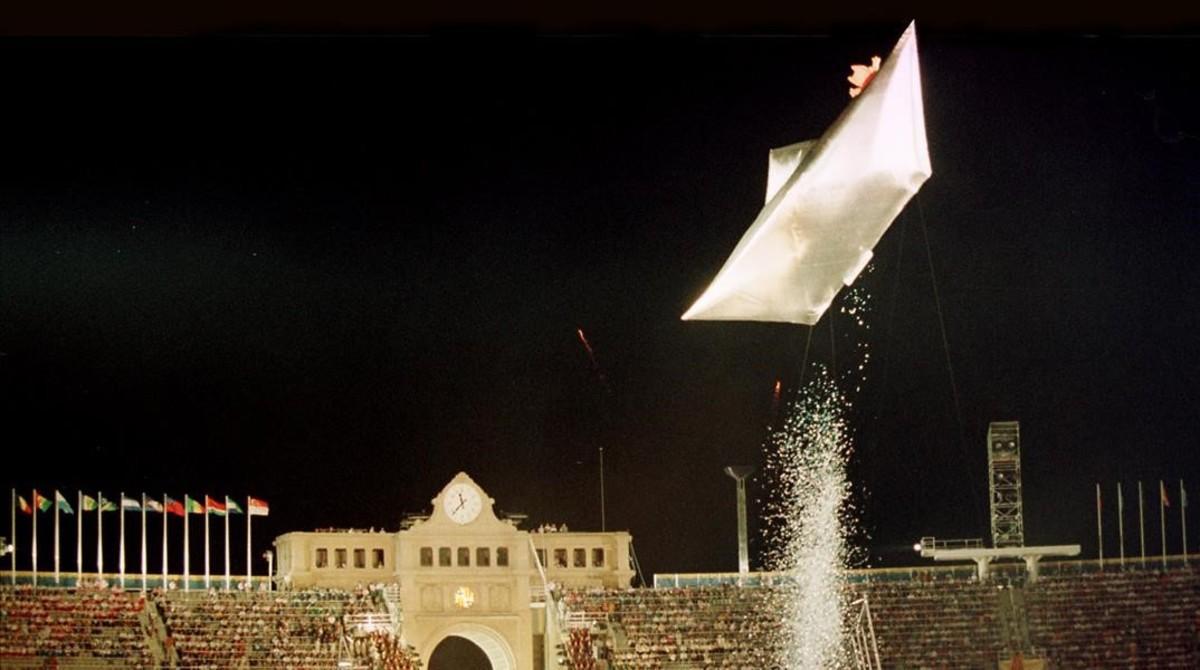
(828, 203)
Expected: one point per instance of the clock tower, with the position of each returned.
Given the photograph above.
(464, 572)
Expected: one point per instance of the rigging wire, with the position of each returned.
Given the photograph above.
(804, 364)
(832, 347)
(937, 301)
(887, 326)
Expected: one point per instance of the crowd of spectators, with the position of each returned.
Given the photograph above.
(83, 623)
(384, 651)
(707, 627)
(943, 624)
(579, 650)
(935, 623)
(284, 629)
(1117, 619)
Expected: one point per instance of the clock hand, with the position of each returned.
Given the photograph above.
(460, 505)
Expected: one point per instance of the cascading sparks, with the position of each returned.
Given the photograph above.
(809, 514)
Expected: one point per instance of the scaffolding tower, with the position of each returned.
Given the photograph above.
(1004, 481)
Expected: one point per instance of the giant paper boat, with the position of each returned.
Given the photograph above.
(829, 201)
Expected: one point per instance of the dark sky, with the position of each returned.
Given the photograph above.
(333, 271)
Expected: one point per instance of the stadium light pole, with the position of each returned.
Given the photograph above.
(739, 474)
(270, 556)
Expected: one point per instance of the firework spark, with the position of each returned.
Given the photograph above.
(587, 346)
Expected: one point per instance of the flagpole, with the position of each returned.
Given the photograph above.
(57, 578)
(33, 544)
(99, 535)
(187, 571)
(1183, 519)
(1142, 522)
(206, 574)
(12, 572)
(1121, 522)
(249, 565)
(1162, 519)
(1099, 526)
(79, 539)
(143, 542)
(121, 546)
(226, 543)
(164, 544)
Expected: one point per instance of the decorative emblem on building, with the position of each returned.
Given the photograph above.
(464, 597)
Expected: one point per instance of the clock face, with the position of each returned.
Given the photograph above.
(462, 503)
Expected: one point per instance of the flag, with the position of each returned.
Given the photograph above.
(213, 507)
(153, 505)
(173, 506)
(193, 506)
(128, 503)
(258, 507)
(107, 505)
(1162, 491)
(231, 506)
(62, 503)
(41, 502)
(25, 508)
(89, 503)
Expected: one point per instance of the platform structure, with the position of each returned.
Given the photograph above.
(1004, 483)
(973, 550)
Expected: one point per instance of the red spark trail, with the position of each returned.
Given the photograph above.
(592, 357)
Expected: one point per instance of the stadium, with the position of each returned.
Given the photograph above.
(463, 588)
(480, 326)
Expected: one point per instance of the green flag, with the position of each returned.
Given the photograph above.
(89, 503)
(62, 503)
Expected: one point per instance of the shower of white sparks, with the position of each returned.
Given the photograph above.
(810, 514)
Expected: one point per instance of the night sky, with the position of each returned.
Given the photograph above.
(333, 271)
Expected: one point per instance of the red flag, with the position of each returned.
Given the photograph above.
(1162, 490)
(214, 506)
(173, 506)
(25, 508)
(256, 507)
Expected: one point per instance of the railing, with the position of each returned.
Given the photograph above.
(1014, 570)
(133, 582)
(369, 622)
(932, 543)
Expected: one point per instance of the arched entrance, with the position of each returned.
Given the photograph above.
(470, 647)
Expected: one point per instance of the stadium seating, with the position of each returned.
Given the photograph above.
(918, 624)
(719, 627)
(1117, 619)
(109, 628)
(934, 624)
(94, 624)
(290, 629)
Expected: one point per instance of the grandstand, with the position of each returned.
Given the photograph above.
(1085, 614)
(98, 627)
(537, 600)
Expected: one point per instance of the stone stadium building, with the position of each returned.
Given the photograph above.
(466, 589)
(463, 572)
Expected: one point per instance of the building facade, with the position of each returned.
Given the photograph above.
(463, 572)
